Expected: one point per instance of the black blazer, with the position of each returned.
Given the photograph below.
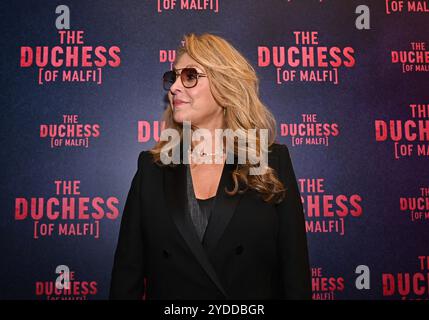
(251, 249)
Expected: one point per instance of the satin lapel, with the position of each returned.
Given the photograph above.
(176, 199)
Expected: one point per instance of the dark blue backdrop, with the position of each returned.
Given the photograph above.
(383, 237)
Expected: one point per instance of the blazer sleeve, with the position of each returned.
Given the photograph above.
(292, 239)
(127, 281)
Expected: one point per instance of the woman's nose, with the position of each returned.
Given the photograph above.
(176, 85)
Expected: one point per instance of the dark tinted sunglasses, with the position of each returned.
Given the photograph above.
(188, 76)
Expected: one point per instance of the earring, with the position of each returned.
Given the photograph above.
(224, 111)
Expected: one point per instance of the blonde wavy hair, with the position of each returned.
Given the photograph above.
(235, 87)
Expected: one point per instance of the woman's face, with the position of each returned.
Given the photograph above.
(199, 106)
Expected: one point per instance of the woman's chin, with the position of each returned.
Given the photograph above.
(179, 118)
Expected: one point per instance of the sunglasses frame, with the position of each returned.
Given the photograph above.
(199, 74)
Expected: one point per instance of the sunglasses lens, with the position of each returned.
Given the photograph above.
(168, 79)
(189, 77)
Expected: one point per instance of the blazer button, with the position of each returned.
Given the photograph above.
(166, 253)
(239, 250)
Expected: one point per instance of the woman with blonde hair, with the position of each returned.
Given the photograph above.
(216, 224)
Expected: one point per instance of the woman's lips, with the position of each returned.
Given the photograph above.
(178, 103)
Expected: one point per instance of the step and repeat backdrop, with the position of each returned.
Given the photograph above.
(82, 95)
